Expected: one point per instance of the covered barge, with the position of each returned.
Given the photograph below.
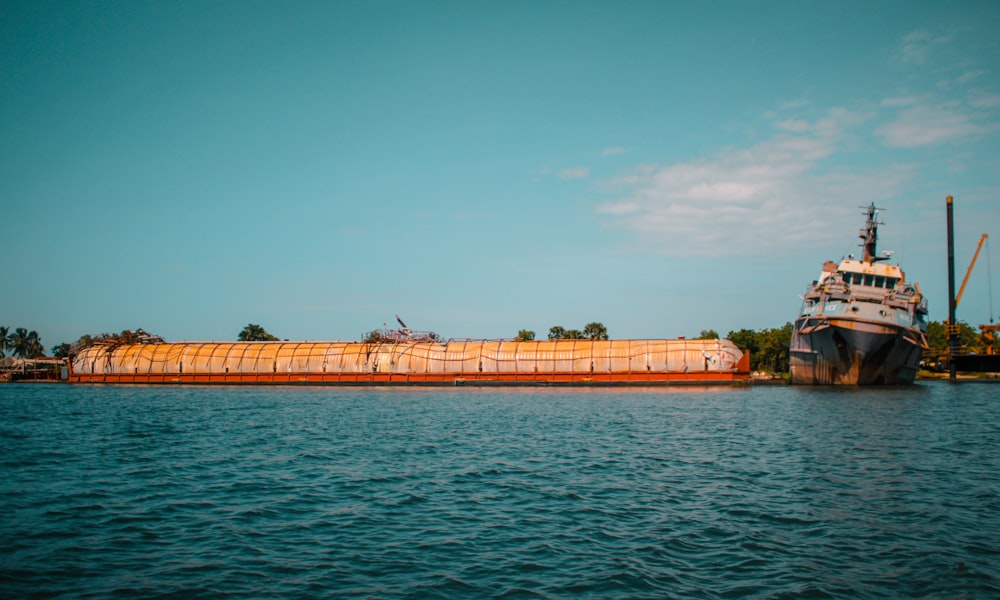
(390, 362)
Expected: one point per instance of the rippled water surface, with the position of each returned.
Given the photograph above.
(516, 492)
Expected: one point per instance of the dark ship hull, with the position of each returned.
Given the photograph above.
(844, 352)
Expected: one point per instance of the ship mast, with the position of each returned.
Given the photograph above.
(870, 236)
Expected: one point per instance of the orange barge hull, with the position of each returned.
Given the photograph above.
(643, 378)
(479, 362)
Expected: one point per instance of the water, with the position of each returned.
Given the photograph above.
(509, 493)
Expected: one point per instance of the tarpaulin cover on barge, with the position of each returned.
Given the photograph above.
(475, 362)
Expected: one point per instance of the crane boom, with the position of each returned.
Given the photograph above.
(961, 290)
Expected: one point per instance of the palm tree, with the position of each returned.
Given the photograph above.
(255, 333)
(3, 340)
(25, 344)
(35, 347)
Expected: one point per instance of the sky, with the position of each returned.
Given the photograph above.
(478, 168)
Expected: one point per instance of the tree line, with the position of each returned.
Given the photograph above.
(768, 347)
(28, 344)
(970, 341)
(591, 331)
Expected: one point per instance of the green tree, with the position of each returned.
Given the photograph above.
(707, 334)
(372, 337)
(969, 340)
(768, 348)
(255, 333)
(127, 336)
(773, 352)
(937, 340)
(83, 341)
(61, 350)
(747, 340)
(525, 335)
(595, 331)
(25, 344)
(3, 340)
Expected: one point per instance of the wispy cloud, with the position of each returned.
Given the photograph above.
(794, 125)
(947, 113)
(801, 182)
(574, 173)
(917, 46)
(613, 150)
(927, 125)
(898, 102)
(758, 199)
(984, 100)
(969, 76)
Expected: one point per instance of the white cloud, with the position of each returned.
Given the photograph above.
(757, 200)
(795, 125)
(943, 114)
(969, 76)
(801, 184)
(793, 104)
(613, 150)
(574, 173)
(916, 47)
(927, 125)
(985, 100)
(898, 102)
(619, 208)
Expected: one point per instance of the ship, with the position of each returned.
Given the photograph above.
(407, 357)
(861, 322)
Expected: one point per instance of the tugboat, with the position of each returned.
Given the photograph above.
(861, 322)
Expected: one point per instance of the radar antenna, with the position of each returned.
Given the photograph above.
(870, 235)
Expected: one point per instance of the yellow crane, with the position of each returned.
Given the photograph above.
(987, 330)
(961, 290)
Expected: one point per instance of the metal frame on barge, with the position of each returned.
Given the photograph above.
(408, 362)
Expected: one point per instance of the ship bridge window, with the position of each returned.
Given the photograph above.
(879, 281)
(855, 278)
(869, 279)
(890, 282)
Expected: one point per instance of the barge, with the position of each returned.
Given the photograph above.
(389, 361)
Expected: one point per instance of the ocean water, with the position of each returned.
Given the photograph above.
(320, 492)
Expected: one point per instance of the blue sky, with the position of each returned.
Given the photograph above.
(482, 167)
